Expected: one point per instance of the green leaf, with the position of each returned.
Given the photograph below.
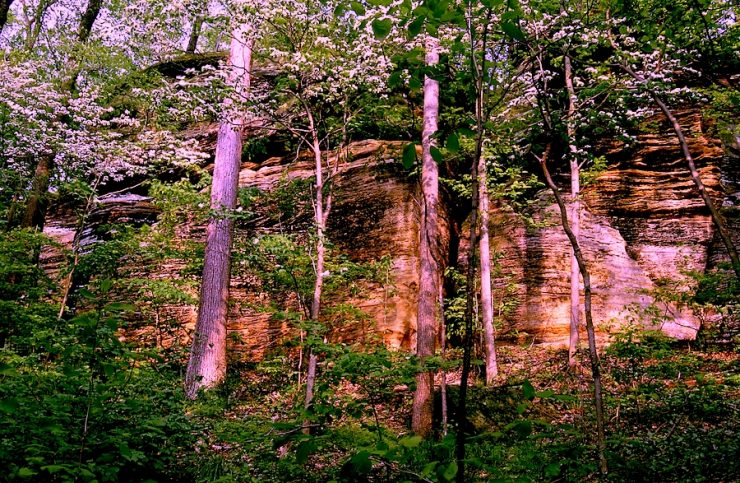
(528, 390)
(358, 8)
(409, 155)
(416, 25)
(414, 83)
(432, 29)
(450, 471)
(429, 468)
(381, 28)
(26, 473)
(436, 154)
(53, 468)
(120, 307)
(410, 441)
(304, 450)
(395, 80)
(7, 370)
(512, 30)
(453, 143)
(553, 469)
(9, 405)
(361, 462)
(523, 428)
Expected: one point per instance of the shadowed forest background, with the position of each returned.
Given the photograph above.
(382, 240)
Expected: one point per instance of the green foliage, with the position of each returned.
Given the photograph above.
(79, 404)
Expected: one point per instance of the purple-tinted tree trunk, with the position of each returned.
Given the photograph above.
(207, 364)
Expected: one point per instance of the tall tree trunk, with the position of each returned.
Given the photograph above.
(320, 221)
(575, 217)
(194, 35)
(695, 176)
(4, 9)
(486, 300)
(593, 354)
(468, 335)
(429, 280)
(207, 364)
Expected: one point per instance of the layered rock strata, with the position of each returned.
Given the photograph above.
(644, 227)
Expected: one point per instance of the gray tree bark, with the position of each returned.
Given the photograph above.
(429, 280)
(207, 363)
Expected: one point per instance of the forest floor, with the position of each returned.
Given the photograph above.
(672, 415)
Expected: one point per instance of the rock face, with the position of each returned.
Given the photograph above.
(643, 227)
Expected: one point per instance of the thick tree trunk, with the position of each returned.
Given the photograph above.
(429, 279)
(593, 354)
(194, 35)
(207, 364)
(4, 9)
(575, 217)
(486, 300)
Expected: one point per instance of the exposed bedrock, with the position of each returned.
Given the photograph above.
(644, 227)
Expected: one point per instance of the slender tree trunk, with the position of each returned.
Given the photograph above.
(486, 300)
(593, 354)
(575, 217)
(695, 176)
(320, 220)
(194, 35)
(429, 280)
(4, 9)
(207, 364)
(468, 337)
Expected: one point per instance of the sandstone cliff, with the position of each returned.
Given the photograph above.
(643, 228)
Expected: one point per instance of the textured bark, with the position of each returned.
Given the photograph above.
(575, 217)
(4, 9)
(37, 202)
(486, 300)
(429, 279)
(593, 353)
(194, 35)
(207, 364)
